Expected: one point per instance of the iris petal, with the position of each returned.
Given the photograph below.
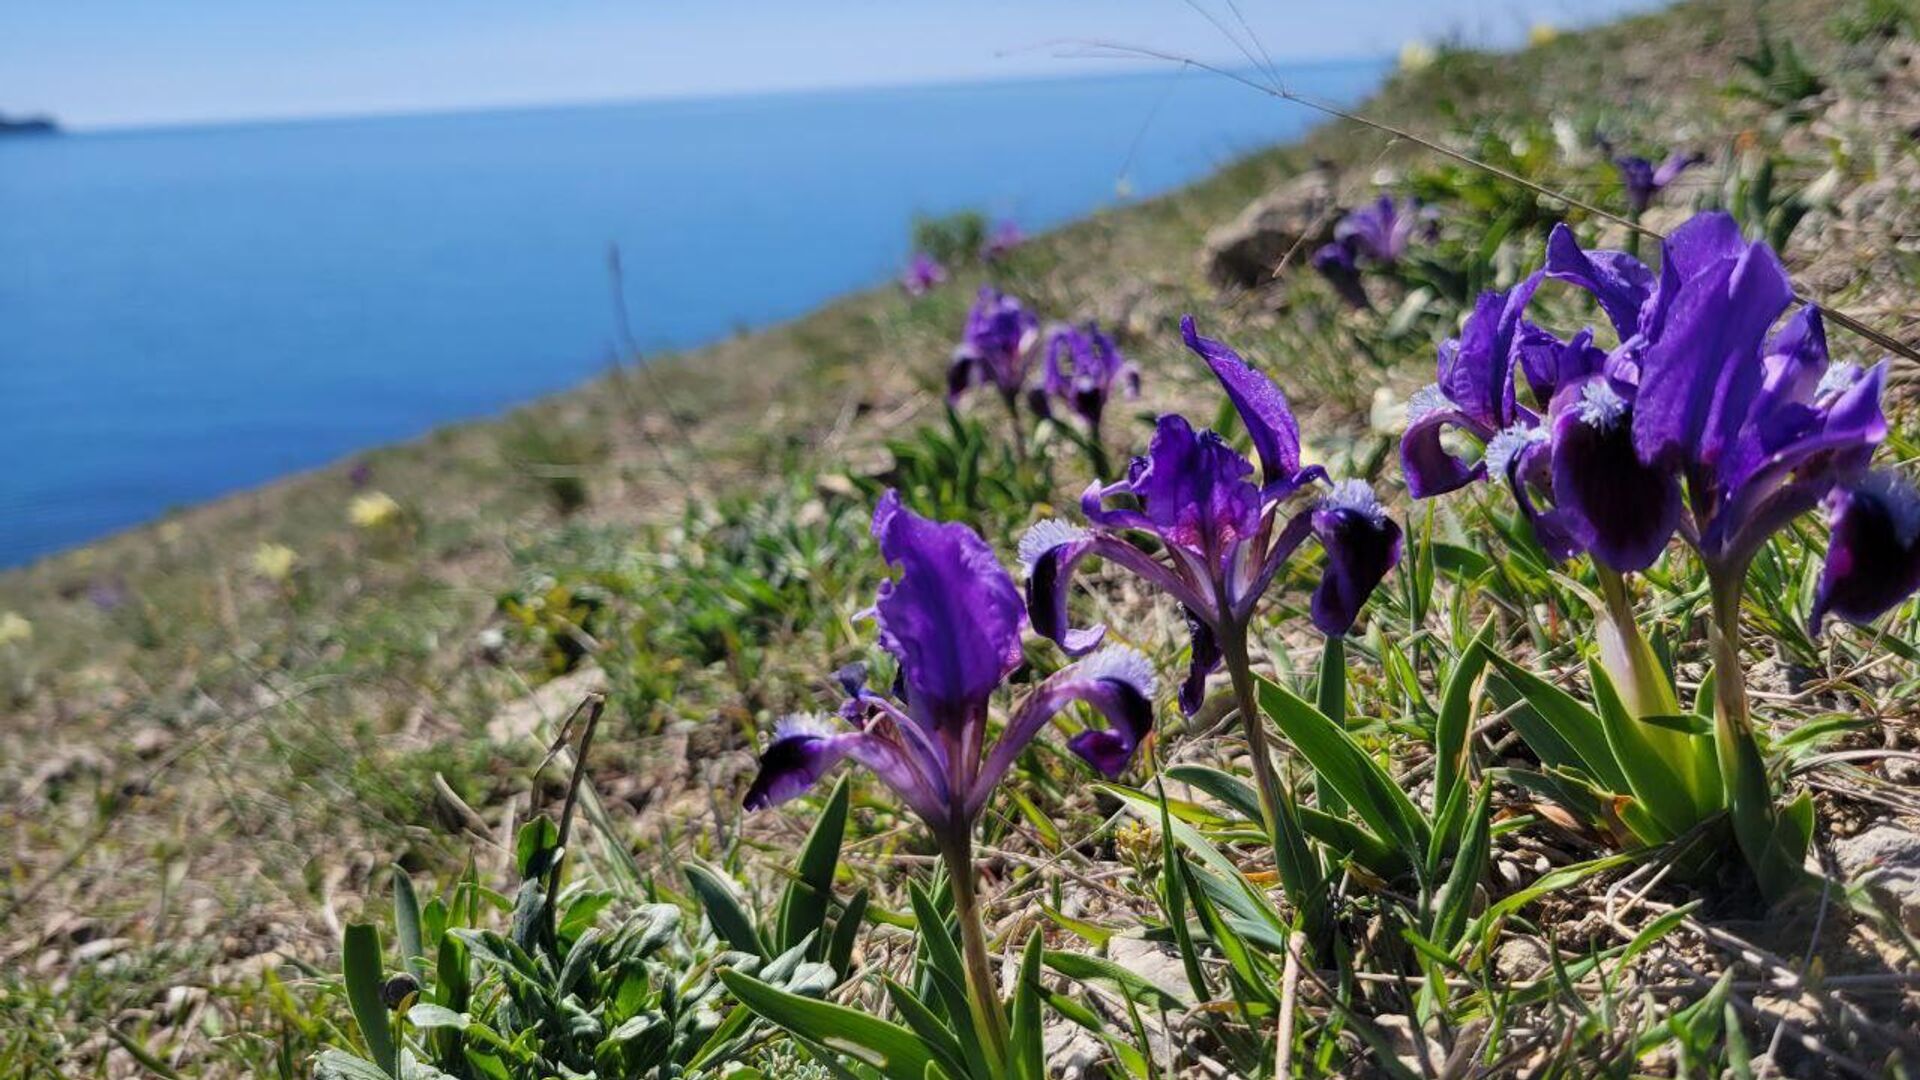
(1620, 282)
(803, 748)
(1700, 375)
(1873, 555)
(1262, 407)
(952, 618)
(1623, 511)
(1205, 659)
(1118, 683)
(1429, 467)
(1362, 543)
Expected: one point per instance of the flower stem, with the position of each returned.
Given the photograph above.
(1757, 822)
(1296, 863)
(1097, 454)
(983, 987)
(1019, 433)
(1625, 652)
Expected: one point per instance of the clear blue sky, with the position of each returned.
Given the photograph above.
(96, 63)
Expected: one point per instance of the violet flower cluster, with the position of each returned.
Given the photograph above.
(1218, 536)
(1083, 368)
(922, 275)
(1642, 179)
(1001, 241)
(1378, 234)
(1712, 418)
(952, 621)
(996, 347)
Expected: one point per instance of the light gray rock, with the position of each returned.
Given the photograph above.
(1296, 218)
(1522, 957)
(1887, 858)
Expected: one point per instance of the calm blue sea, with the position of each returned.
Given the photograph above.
(186, 312)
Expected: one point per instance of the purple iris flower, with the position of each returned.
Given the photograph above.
(1475, 394)
(952, 620)
(1642, 179)
(1702, 420)
(1220, 535)
(1873, 556)
(1758, 422)
(1381, 231)
(1005, 237)
(1083, 367)
(996, 347)
(922, 274)
(1378, 233)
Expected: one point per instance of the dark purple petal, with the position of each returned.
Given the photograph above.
(1051, 550)
(922, 274)
(1550, 363)
(1380, 231)
(1262, 407)
(1117, 682)
(1429, 467)
(1038, 404)
(1832, 445)
(1083, 364)
(1701, 241)
(1362, 543)
(1335, 262)
(1636, 176)
(1622, 511)
(1618, 281)
(1205, 659)
(963, 373)
(1677, 162)
(803, 748)
(952, 618)
(1873, 554)
(1476, 370)
(1523, 456)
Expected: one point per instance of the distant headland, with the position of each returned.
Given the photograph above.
(28, 125)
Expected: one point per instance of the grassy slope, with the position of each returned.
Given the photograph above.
(213, 771)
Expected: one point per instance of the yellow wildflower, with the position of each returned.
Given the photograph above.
(372, 510)
(274, 561)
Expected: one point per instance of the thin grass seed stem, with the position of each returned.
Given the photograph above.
(1289, 993)
(1019, 432)
(595, 705)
